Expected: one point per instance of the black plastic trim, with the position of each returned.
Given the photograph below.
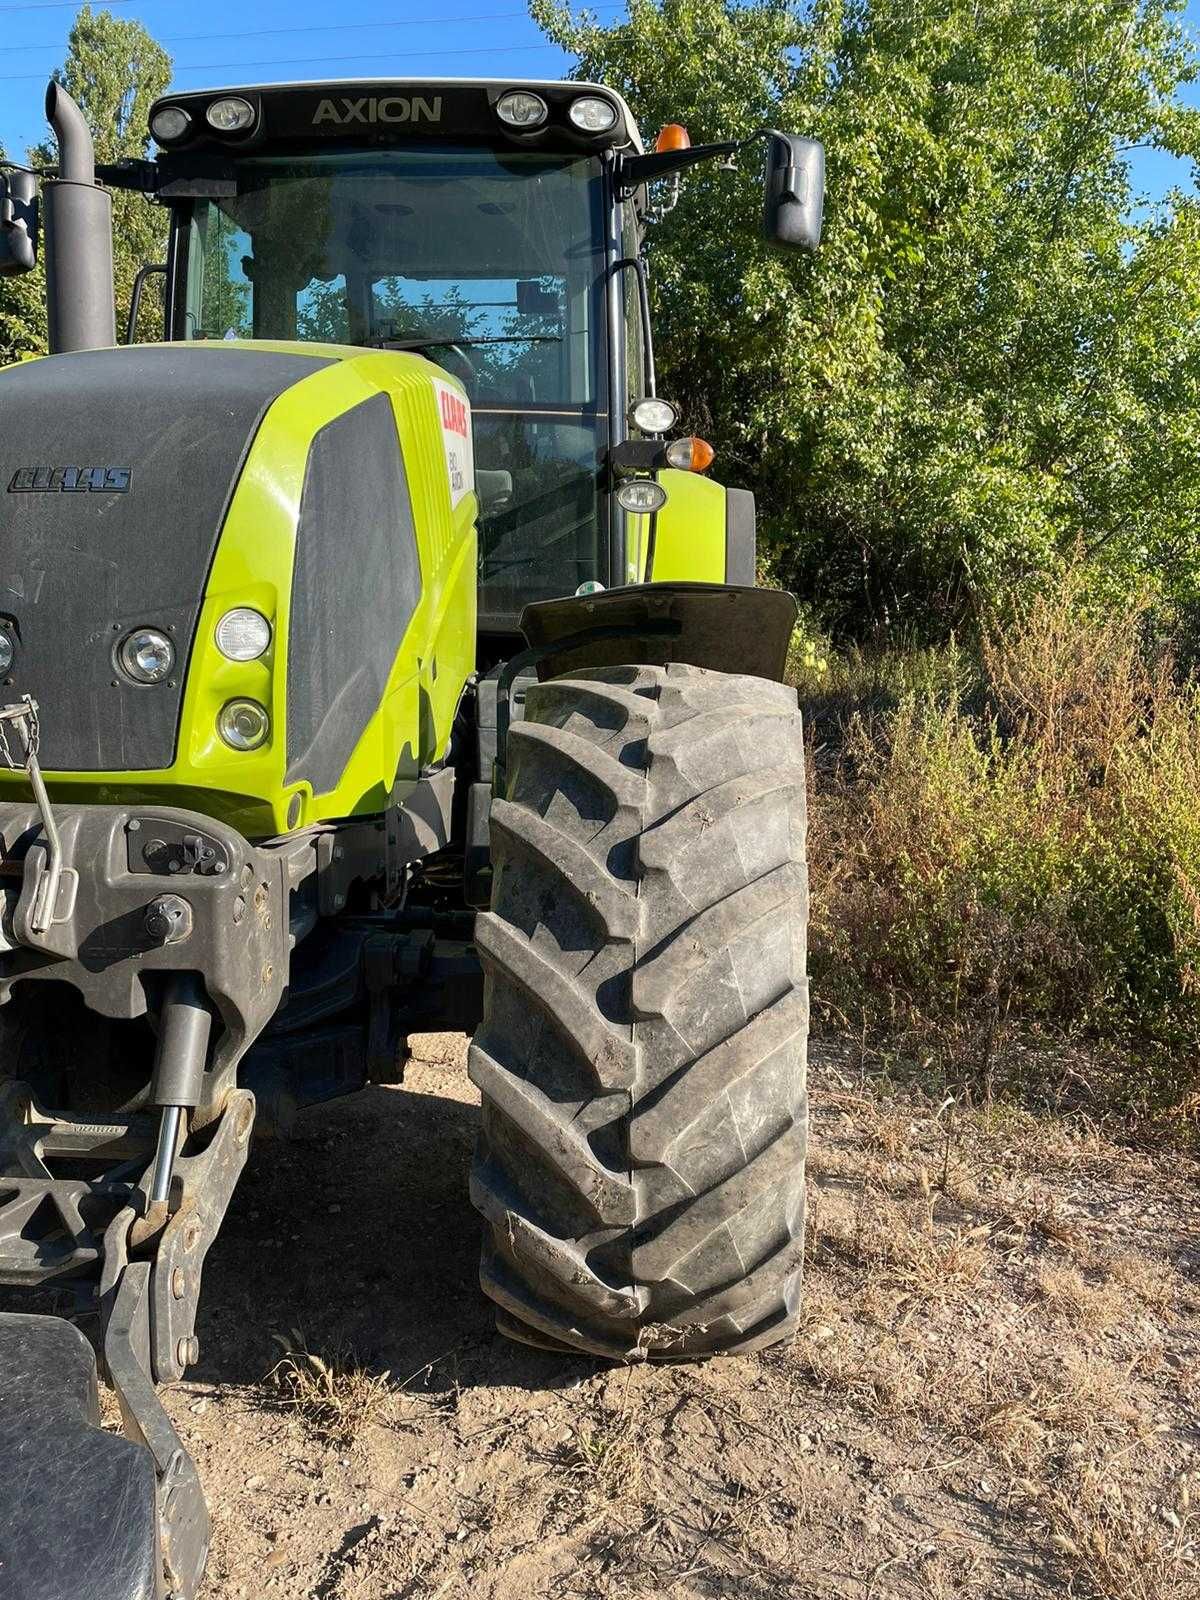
(356, 560)
(741, 538)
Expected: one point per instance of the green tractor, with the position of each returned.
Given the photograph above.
(376, 660)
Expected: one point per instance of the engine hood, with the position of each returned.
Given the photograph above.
(116, 471)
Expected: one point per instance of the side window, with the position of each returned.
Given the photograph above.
(219, 302)
(635, 350)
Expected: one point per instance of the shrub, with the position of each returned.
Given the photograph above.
(1010, 838)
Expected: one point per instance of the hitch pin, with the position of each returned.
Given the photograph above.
(24, 718)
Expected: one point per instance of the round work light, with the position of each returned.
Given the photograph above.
(652, 415)
(590, 114)
(231, 115)
(244, 724)
(641, 496)
(521, 109)
(243, 634)
(169, 123)
(146, 655)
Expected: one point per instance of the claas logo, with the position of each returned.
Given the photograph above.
(454, 413)
(70, 480)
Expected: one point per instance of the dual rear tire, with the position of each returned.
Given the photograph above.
(642, 1054)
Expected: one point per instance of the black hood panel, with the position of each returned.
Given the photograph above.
(116, 469)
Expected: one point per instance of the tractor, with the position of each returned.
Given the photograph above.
(377, 658)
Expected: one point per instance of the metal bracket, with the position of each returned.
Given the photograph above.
(148, 1311)
(182, 1513)
(205, 1183)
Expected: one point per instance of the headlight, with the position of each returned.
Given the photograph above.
(243, 635)
(146, 656)
(172, 122)
(642, 496)
(244, 724)
(590, 114)
(231, 115)
(8, 650)
(520, 109)
(652, 415)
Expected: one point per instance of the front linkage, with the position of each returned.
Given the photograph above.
(127, 1241)
(151, 913)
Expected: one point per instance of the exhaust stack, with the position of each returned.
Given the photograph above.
(79, 252)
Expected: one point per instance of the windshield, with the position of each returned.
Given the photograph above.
(491, 264)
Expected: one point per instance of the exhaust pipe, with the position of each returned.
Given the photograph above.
(79, 252)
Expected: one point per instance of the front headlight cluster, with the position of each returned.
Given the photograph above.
(523, 110)
(229, 115)
(146, 656)
(243, 634)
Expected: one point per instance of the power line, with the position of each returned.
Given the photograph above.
(72, 5)
(370, 55)
(324, 27)
(304, 61)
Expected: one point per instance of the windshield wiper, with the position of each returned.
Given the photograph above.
(427, 342)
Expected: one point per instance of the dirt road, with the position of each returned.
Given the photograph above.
(994, 1392)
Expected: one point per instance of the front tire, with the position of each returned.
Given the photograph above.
(642, 1052)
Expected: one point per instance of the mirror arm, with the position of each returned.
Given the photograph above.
(20, 219)
(133, 174)
(638, 455)
(633, 171)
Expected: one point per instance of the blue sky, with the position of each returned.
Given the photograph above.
(261, 41)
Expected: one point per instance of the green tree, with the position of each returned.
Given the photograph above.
(22, 311)
(995, 357)
(115, 71)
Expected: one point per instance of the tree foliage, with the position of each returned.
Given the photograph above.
(115, 71)
(995, 358)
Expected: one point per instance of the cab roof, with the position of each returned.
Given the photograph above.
(388, 110)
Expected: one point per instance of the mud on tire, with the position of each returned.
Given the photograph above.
(642, 1053)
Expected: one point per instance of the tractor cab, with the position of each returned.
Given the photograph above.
(494, 228)
(476, 227)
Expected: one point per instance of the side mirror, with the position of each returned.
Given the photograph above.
(494, 489)
(795, 191)
(18, 223)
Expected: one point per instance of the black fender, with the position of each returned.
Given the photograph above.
(725, 627)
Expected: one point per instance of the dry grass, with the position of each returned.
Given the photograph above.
(606, 1455)
(961, 1294)
(993, 1392)
(1155, 1284)
(1116, 1549)
(337, 1398)
(1095, 1306)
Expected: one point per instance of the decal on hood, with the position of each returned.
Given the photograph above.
(71, 480)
